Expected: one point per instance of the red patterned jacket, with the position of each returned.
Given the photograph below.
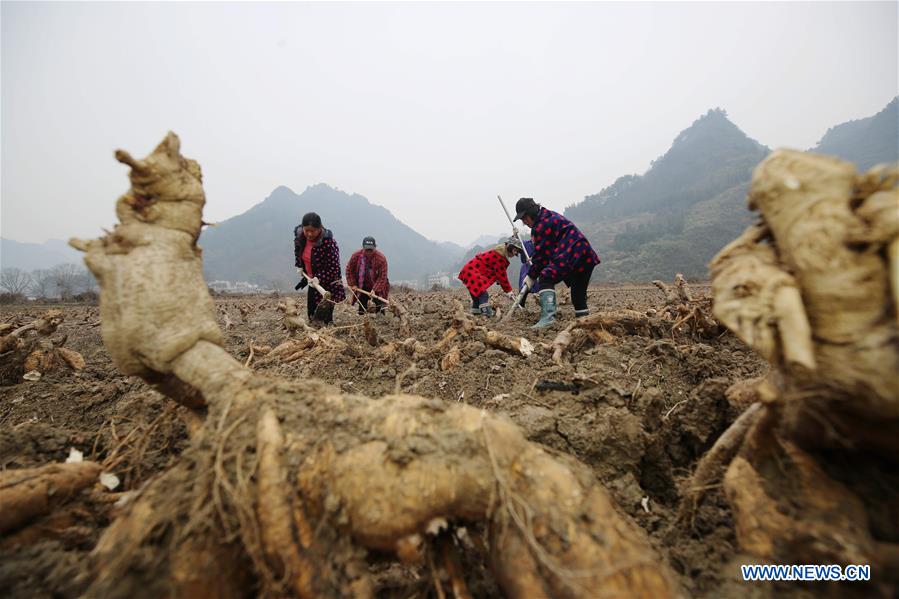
(325, 263)
(484, 270)
(560, 249)
(377, 264)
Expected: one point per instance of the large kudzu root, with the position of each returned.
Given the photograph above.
(288, 484)
(811, 287)
(160, 218)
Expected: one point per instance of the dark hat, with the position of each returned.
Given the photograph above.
(525, 206)
(369, 243)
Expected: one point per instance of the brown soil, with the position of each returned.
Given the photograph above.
(640, 411)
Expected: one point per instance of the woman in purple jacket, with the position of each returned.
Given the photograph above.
(561, 254)
(317, 255)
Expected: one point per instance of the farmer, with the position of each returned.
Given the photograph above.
(367, 270)
(317, 255)
(488, 268)
(523, 272)
(561, 254)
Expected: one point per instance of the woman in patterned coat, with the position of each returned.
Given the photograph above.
(561, 254)
(488, 268)
(317, 255)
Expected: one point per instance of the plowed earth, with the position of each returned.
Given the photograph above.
(639, 410)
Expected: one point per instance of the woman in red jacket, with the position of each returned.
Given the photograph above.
(367, 270)
(488, 268)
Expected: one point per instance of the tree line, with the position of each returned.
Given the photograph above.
(63, 281)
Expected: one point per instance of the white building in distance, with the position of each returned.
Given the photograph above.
(441, 279)
(238, 287)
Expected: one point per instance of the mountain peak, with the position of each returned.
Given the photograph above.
(713, 125)
(321, 187)
(706, 158)
(282, 193)
(713, 114)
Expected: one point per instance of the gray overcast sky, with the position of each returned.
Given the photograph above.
(428, 109)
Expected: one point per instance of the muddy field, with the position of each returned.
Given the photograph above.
(639, 409)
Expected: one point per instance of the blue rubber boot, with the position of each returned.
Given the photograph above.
(547, 308)
(487, 310)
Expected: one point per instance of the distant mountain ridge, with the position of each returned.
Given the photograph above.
(257, 246)
(30, 256)
(867, 141)
(485, 241)
(678, 214)
(710, 156)
(692, 200)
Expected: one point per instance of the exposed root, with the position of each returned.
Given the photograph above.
(226, 318)
(297, 347)
(31, 492)
(293, 321)
(290, 350)
(246, 310)
(435, 577)
(71, 357)
(410, 347)
(29, 349)
(280, 540)
(527, 541)
(687, 312)
(371, 334)
(400, 312)
(811, 513)
(451, 359)
(44, 326)
(715, 461)
(603, 327)
(671, 298)
(518, 345)
(463, 324)
(125, 456)
(395, 307)
(450, 558)
(683, 290)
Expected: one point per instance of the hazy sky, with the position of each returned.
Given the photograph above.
(429, 109)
